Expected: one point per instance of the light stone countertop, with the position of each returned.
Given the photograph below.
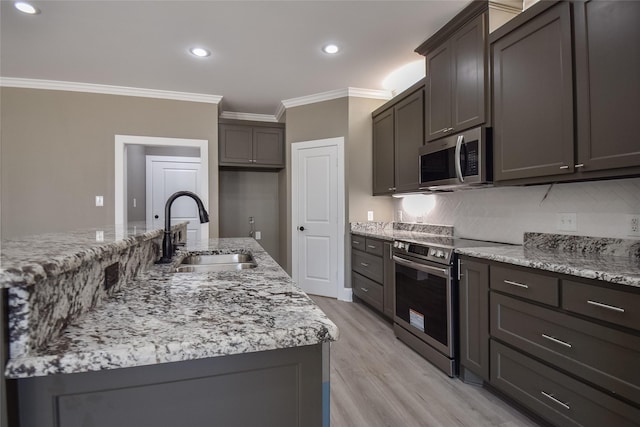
(609, 268)
(162, 316)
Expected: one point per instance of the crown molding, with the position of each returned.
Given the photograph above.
(280, 112)
(335, 94)
(248, 116)
(108, 90)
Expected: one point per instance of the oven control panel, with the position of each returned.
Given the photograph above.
(432, 253)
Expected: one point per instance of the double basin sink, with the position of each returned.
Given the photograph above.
(203, 263)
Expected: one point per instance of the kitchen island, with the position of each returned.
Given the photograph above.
(219, 348)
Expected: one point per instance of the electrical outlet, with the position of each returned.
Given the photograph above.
(99, 201)
(634, 225)
(567, 222)
(99, 236)
(399, 216)
(369, 215)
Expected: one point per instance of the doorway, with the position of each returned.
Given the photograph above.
(124, 142)
(318, 216)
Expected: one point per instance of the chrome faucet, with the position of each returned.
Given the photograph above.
(167, 245)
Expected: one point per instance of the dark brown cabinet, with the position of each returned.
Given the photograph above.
(397, 136)
(371, 267)
(607, 53)
(389, 297)
(474, 318)
(556, 122)
(533, 97)
(383, 155)
(457, 80)
(251, 146)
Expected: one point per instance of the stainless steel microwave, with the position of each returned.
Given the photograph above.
(457, 161)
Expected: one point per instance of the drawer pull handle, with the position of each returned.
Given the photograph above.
(520, 285)
(556, 340)
(550, 397)
(355, 242)
(364, 264)
(372, 246)
(365, 289)
(607, 306)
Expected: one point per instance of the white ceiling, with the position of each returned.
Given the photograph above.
(262, 51)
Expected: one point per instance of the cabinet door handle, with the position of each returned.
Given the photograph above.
(355, 242)
(606, 306)
(392, 188)
(579, 165)
(564, 167)
(372, 246)
(520, 285)
(364, 264)
(553, 399)
(365, 289)
(556, 340)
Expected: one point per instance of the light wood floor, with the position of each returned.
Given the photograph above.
(376, 380)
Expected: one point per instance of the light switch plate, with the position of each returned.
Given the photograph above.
(99, 201)
(369, 215)
(258, 235)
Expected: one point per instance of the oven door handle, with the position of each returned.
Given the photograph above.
(442, 272)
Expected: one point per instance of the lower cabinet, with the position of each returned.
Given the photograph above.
(474, 318)
(564, 347)
(554, 396)
(270, 388)
(371, 273)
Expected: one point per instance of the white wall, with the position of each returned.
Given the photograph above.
(504, 214)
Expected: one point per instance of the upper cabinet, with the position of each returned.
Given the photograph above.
(251, 146)
(544, 131)
(398, 128)
(456, 86)
(607, 53)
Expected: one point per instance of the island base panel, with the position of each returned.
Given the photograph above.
(271, 388)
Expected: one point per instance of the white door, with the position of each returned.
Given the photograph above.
(165, 176)
(318, 216)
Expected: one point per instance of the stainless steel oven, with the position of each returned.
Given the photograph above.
(425, 302)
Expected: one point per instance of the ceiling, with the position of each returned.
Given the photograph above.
(263, 52)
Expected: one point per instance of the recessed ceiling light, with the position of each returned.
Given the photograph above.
(330, 48)
(199, 52)
(25, 7)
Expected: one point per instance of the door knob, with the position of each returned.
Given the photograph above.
(156, 216)
(301, 228)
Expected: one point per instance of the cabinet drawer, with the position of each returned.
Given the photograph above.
(553, 395)
(601, 355)
(368, 290)
(525, 284)
(374, 246)
(368, 265)
(621, 308)
(358, 242)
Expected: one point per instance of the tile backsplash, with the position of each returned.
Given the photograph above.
(504, 214)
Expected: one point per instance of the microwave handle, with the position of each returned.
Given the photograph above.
(457, 156)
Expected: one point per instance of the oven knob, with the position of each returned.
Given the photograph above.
(395, 244)
(432, 252)
(440, 254)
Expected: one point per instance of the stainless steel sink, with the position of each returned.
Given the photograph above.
(203, 263)
(208, 259)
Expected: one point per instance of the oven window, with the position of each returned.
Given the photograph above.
(421, 300)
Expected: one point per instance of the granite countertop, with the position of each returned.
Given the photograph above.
(26, 260)
(611, 260)
(162, 316)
